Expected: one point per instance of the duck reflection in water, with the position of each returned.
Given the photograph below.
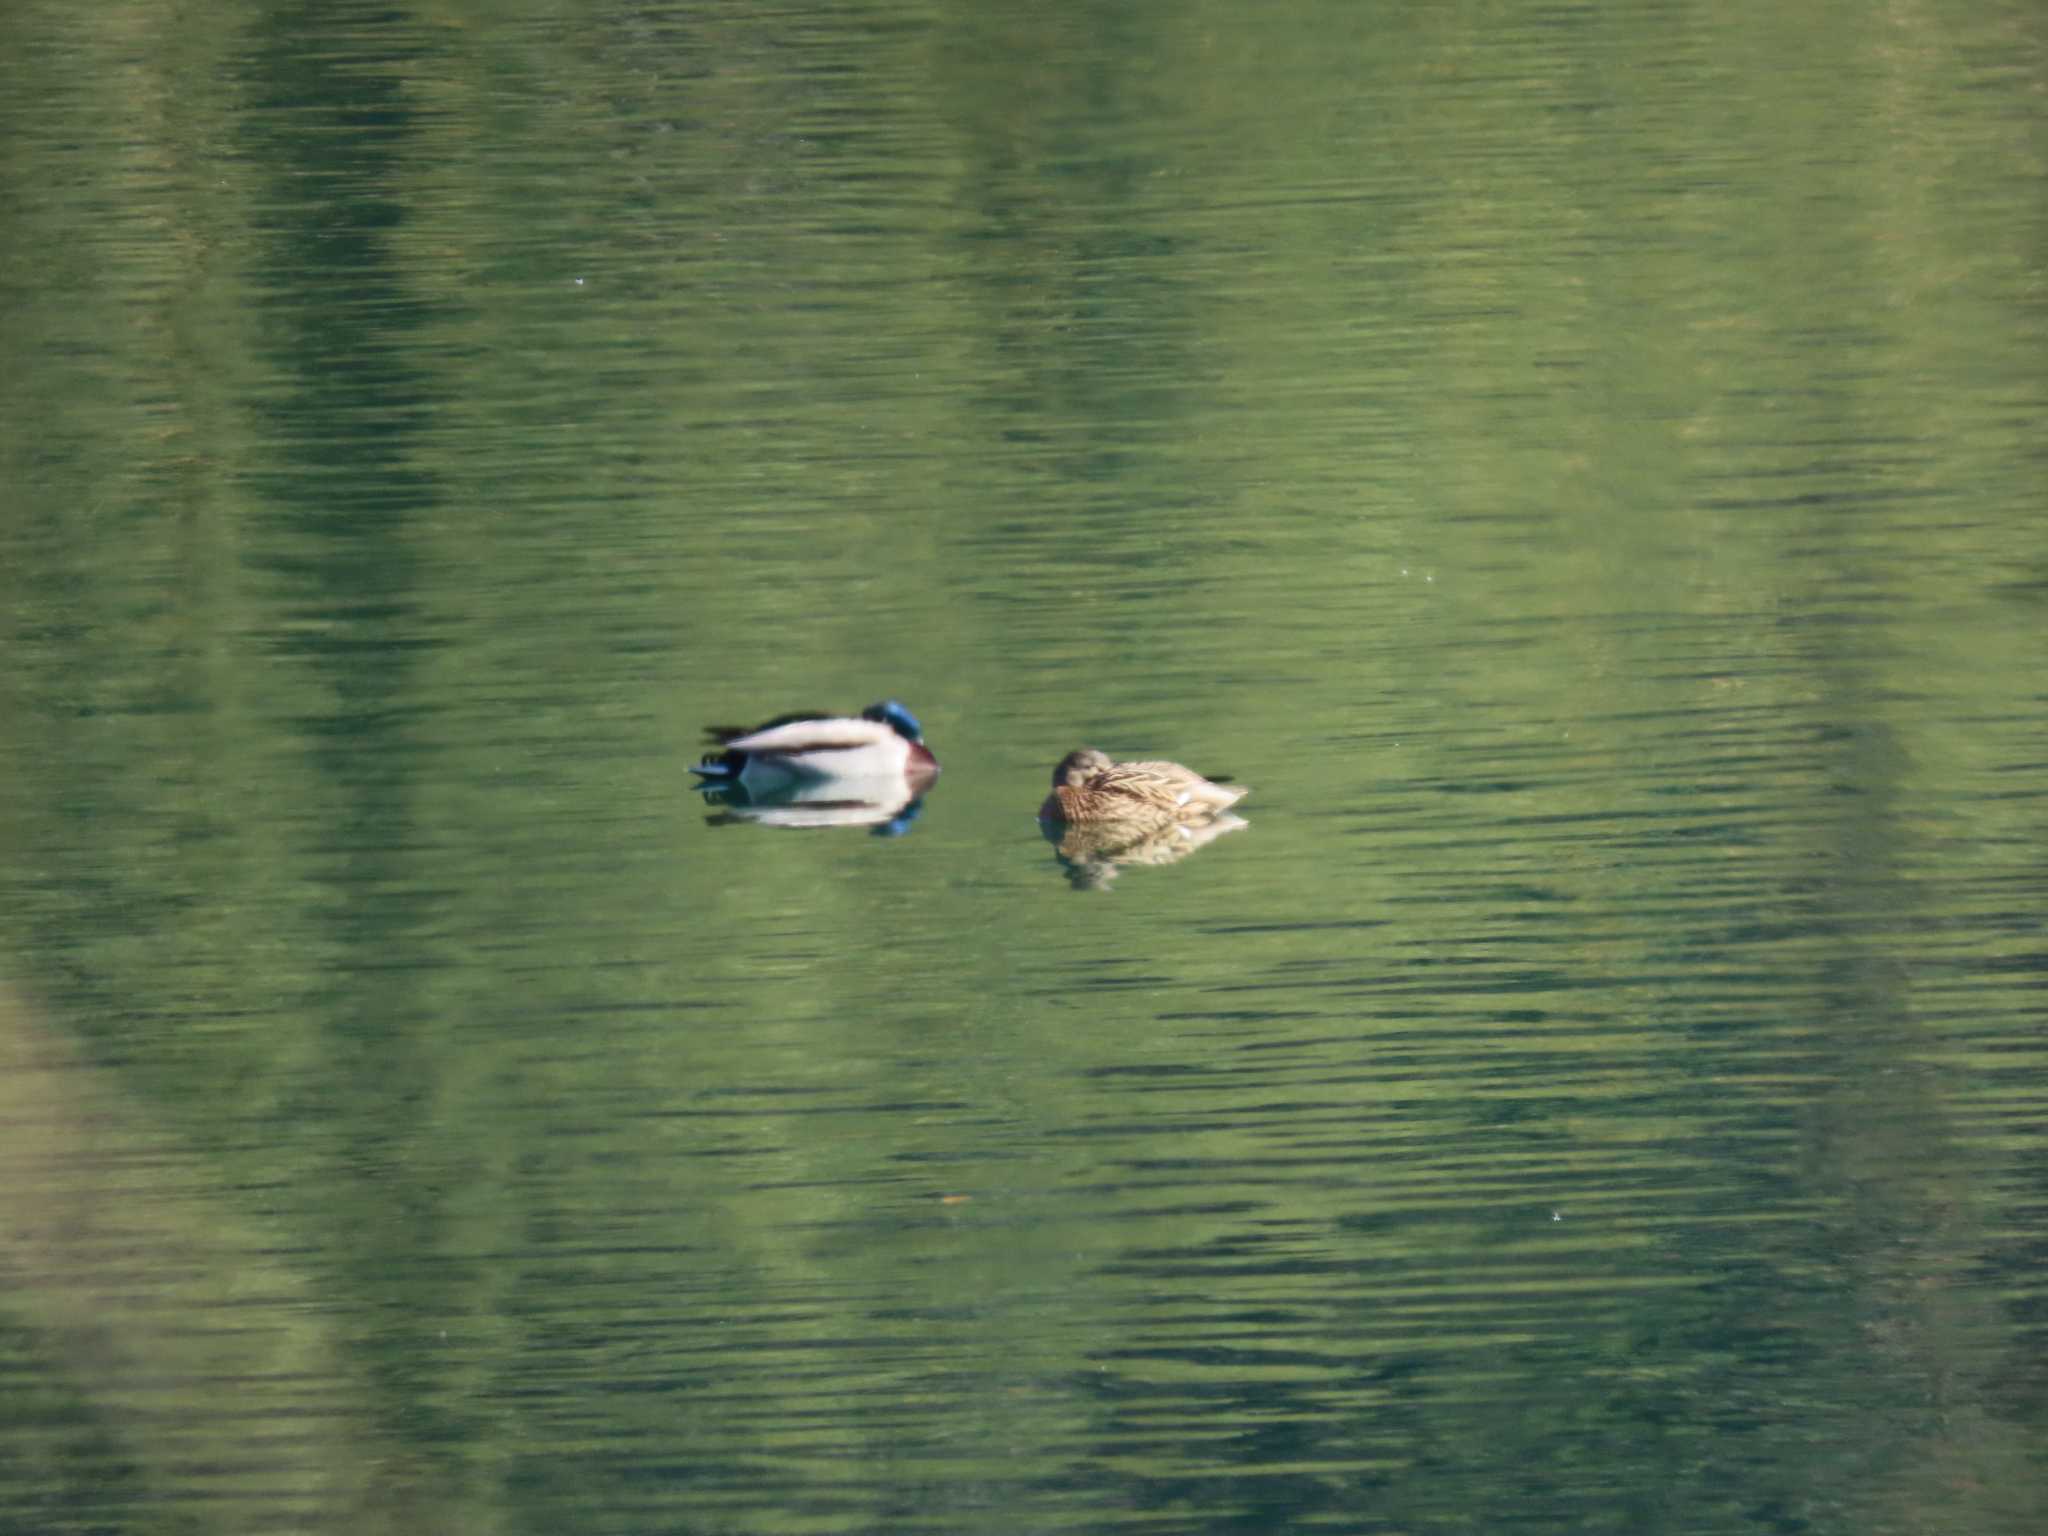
(1102, 815)
(819, 770)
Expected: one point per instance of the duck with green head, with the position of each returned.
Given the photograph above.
(883, 742)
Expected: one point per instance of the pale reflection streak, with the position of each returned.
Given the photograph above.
(888, 807)
(153, 1299)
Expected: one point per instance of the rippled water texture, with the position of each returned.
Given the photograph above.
(1581, 467)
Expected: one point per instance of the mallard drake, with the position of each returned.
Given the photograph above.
(1088, 787)
(883, 742)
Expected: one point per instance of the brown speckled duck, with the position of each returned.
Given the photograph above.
(1088, 788)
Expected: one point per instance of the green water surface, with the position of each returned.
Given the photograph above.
(1580, 465)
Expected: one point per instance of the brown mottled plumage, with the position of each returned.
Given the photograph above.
(1087, 787)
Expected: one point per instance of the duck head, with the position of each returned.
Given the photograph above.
(890, 712)
(1078, 767)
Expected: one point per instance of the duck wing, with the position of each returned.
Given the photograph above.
(1170, 784)
(1136, 783)
(725, 734)
(802, 735)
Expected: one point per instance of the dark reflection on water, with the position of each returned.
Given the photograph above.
(1585, 482)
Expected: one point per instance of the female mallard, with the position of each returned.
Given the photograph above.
(883, 742)
(1088, 787)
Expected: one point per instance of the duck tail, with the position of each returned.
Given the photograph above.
(716, 769)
